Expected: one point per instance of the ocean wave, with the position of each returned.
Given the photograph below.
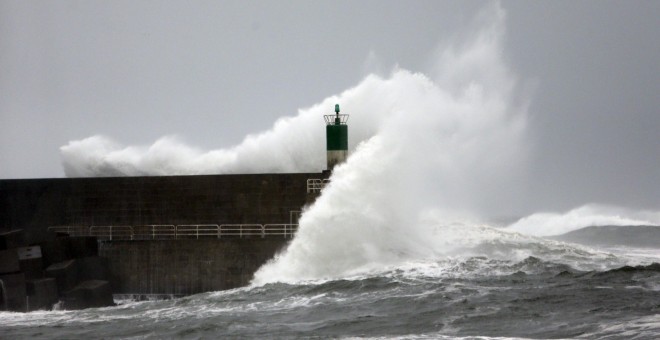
(547, 224)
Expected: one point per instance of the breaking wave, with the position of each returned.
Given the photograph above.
(547, 224)
(450, 152)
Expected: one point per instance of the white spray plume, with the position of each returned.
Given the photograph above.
(450, 148)
(293, 145)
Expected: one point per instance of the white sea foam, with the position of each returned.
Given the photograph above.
(644, 327)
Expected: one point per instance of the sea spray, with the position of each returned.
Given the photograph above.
(294, 144)
(452, 151)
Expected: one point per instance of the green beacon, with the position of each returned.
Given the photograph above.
(336, 132)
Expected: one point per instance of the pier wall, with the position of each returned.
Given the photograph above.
(159, 266)
(36, 204)
(184, 267)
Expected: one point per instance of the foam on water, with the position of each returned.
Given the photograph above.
(645, 327)
(449, 299)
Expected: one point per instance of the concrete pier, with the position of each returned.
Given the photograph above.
(36, 204)
(183, 267)
(241, 214)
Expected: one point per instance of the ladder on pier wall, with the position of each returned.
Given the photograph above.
(316, 185)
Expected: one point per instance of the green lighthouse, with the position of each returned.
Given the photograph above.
(336, 132)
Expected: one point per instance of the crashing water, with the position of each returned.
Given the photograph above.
(398, 245)
(474, 297)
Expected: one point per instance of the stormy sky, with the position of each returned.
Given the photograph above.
(212, 72)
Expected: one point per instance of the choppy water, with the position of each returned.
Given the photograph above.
(428, 149)
(474, 297)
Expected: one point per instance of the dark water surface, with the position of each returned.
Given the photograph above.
(476, 297)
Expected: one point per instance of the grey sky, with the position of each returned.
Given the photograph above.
(212, 72)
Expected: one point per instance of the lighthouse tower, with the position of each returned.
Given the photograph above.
(336, 133)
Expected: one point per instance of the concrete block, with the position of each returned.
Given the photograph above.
(65, 274)
(31, 262)
(41, 294)
(88, 294)
(93, 268)
(12, 239)
(83, 247)
(32, 268)
(67, 248)
(32, 252)
(9, 261)
(12, 292)
(55, 251)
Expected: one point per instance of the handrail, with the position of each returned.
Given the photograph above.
(182, 231)
(332, 119)
(118, 232)
(241, 230)
(197, 230)
(154, 232)
(288, 230)
(78, 231)
(294, 216)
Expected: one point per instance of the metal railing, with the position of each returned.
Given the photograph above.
(332, 119)
(285, 229)
(241, 230)
(70, 230)
(294, 216)
(316, 184)
(196, 230)
(183, 231)
(112, 232)
(154, 232)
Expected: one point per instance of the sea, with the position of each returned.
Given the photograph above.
(569, 291)
(400, 244)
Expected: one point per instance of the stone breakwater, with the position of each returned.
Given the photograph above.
(39, 267)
